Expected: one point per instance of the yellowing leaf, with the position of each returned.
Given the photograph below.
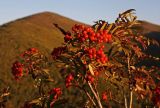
(35, 101)
(103, 26)
(46, 71)
(133, 67)
(110, 27)
(91, 69)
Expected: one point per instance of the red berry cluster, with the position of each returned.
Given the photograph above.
(77, 27)
(58, 51)
(29, 52)
(29, 57)
(17, 70)
(83, 33)
(55, 92)
(67, 37)
(33, 50)
(98, 55)
(68, 80)
(90, 78)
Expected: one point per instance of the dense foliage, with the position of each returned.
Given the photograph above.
(105, 63)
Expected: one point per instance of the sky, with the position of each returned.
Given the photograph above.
(86, 11)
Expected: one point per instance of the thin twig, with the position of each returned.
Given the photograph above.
(95, 87)
(130, 78)
(90, 98)
(131, 99)
(95, 95)
(125, 101)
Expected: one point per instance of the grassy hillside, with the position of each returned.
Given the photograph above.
(152, 31)
(38, 31)
(15, 37)
(148, 27)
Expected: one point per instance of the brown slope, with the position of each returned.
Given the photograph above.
(32, 31)
(39, 27)
(152, 31)
(148, 27)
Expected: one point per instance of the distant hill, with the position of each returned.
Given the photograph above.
(153, 32)
(149, 27)
(38, 31)
(31, 31)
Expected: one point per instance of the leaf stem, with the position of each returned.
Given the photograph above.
(131, 86)
(95, 95)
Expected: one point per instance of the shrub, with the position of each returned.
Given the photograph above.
(103, 62)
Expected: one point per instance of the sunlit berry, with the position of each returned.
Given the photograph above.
(104, 96)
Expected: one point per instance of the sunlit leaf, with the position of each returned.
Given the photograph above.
(36, 101)
(91, 70)
(103, 26)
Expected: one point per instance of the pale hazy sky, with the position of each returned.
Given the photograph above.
(85, 11)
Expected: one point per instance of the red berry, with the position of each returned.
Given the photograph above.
(96, 73)
(68, 80)
(104, 96)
